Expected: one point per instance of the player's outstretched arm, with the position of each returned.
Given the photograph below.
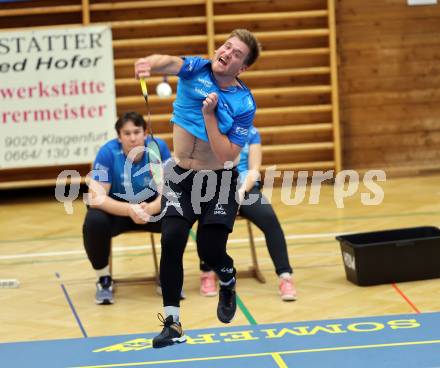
(157, 64)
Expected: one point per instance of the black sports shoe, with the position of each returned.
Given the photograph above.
(172, 333)
(227, 303)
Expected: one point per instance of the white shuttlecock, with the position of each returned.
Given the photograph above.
(163, 89)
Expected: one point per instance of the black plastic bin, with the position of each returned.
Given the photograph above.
(389, 256)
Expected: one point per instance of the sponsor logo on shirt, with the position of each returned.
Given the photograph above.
(170, 199)
(190, 66)
(241, 131)
(201, 91)
(99, 166)
(219, 210)
(174, 195)
(206, 83)
(172, 203)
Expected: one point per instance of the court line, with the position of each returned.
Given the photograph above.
(266, 264)
(408, 300)
(280, 362)
(245, 311)
(253, 355)
(240, 303)
(323, 219)
(69, 252)
(72, 308)
(143, 247)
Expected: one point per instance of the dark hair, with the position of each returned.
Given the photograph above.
(132, 116)
(251, 41)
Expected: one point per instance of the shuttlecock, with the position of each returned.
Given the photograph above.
(163, 89)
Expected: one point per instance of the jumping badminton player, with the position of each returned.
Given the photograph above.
(212, 114)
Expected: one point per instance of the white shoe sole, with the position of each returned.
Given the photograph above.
(179, 340)
(288, 298)
(212, 293)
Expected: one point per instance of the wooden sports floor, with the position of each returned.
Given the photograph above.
(41, 246)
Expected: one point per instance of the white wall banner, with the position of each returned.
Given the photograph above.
(57, 95)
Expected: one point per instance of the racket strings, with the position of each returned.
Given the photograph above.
(153, 150)
(145, 94)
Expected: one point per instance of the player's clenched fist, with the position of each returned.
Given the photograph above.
(142, 68)
(210, 103)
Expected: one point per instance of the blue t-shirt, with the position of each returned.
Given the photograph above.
(235, 110)
(243, 165)
(130, 181)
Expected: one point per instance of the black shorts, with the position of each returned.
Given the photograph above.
(208, 196)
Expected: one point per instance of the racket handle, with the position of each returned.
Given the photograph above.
(144, 86)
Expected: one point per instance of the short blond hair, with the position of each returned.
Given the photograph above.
(251, 42)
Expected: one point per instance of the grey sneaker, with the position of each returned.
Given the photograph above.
(104, 290)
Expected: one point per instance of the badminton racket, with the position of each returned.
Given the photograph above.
(153, 150)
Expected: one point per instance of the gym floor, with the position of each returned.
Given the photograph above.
(51, 319)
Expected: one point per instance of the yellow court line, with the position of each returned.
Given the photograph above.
(279, 360)
(353, 347)
(175, 361)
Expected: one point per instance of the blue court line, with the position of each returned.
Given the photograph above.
(72, 308)
(240, 303)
